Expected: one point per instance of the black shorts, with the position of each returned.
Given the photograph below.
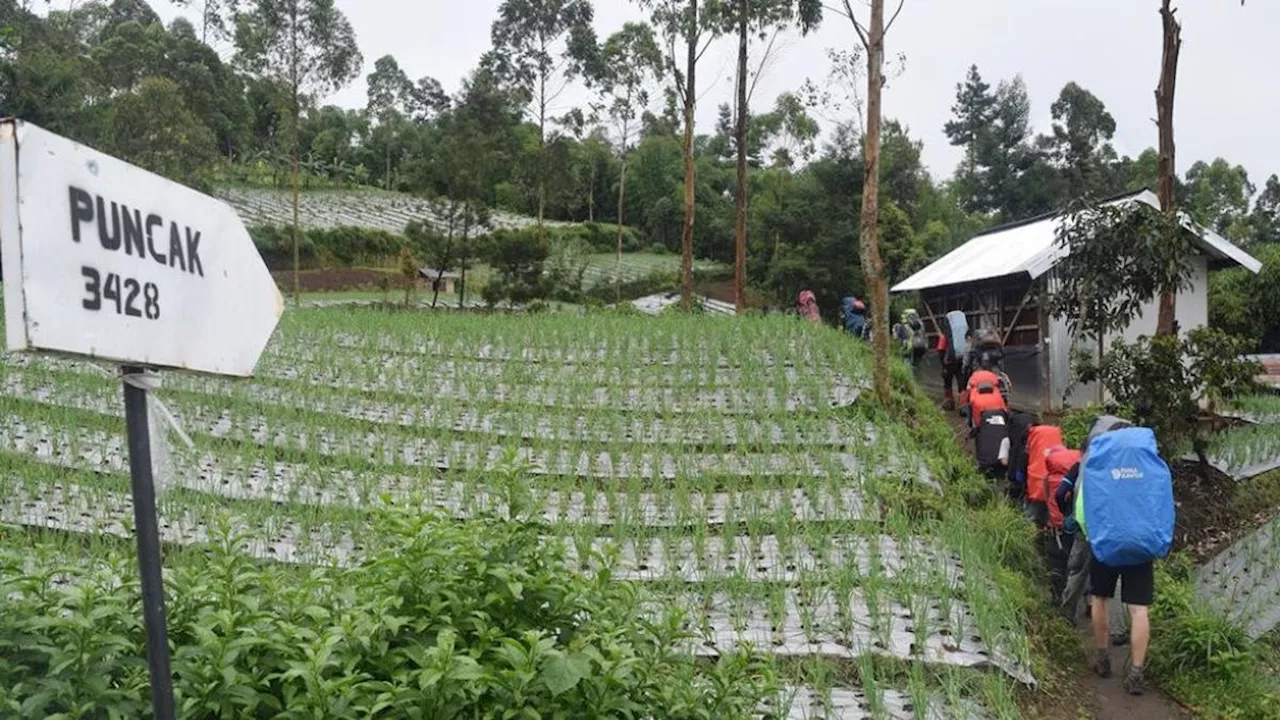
(1139, 582)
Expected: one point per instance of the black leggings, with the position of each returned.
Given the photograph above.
(953, 371)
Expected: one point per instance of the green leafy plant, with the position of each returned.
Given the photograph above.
(1162, 378)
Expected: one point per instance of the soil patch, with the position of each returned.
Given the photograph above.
(1207, 518)
(340, 279)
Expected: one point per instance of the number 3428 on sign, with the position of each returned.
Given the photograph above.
(106, 260)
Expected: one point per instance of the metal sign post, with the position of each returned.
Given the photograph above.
(107, 261)
(148, 532)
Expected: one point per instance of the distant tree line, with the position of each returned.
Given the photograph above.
(111, 75)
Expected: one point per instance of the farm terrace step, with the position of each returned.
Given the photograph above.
(71, 508)
(821, 624)
(251, 478)
(83, 382)
(720, 622)
(641, 353)
(1243, 581)
(582, 462)
(806, 703)
(84, 509)
(769, 558)
(437, 368)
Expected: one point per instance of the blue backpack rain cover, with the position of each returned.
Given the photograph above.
(1125, 502)
(959, 325)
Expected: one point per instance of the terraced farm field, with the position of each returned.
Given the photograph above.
(328, 209)
(604, 267)
(1243, 581)
(725, 471)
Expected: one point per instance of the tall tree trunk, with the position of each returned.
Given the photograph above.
(591, 195)
(740, 133)
(542, 144)
(690, 103)
(1166, 320)
(448, 251)
(872, 263)
(296, 112)
(622, 199)
(297, 232)
(462, 284)
(462, 279)
(462, 245)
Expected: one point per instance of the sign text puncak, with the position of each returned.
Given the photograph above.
(107, 260)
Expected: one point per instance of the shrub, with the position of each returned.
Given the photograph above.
(476, 619)
(1162, 379)
(650, 284)
(600, 237)
(518, 258)
(336, 247)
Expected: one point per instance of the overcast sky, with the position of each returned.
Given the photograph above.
(1228, 85)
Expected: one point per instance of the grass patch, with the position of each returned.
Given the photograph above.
(1203, 660)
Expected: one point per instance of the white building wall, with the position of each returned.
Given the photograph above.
(1193, 312)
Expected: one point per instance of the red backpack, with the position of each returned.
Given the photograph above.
(1039, 441)
(1058, 463)
(983, 394)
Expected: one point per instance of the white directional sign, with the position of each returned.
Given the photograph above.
(107, 260)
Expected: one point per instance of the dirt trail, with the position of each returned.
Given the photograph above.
(1101, 699)
(1108, 700)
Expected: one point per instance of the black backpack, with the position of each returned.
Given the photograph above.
(1019, 425)
(989, 435)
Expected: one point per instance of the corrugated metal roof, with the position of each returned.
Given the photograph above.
(1031, 247)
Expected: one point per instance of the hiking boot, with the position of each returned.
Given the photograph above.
(1119, 639)
(1102, 663)
(1133, 681)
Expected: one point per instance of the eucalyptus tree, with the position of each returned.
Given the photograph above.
(871, 35)
(629, 61)
(214, 15)
(308, 47)
(693, 25)
(539, 46)
(764, 19)
(1171, 43)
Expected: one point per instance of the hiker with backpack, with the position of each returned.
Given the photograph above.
(986, 351)
(986, 389)
(1040, 439)
(1020, 425)
(807, 307)
(952, 349)
(1122, 502)
(991, 442)
(1080, 558)
(853, 315)
(912, 340)
(1060, 461)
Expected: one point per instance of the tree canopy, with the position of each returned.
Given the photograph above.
(111, 75)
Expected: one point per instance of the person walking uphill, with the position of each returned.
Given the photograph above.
(807, 306)
(952, 350)
(853, 315)
(912, 338)
(1123, 505)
